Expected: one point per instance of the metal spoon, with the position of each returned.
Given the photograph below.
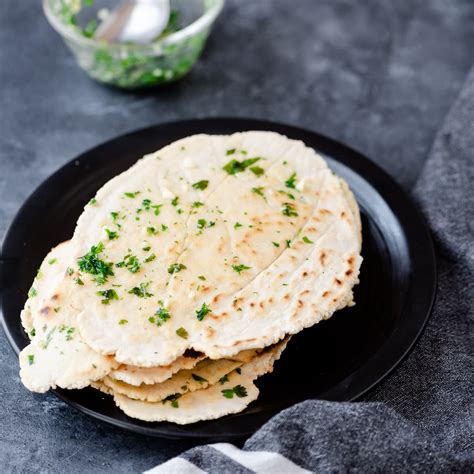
(137, 21)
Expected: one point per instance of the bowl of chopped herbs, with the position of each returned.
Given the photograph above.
(129, 64)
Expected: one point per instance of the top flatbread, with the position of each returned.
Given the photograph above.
(288, 220)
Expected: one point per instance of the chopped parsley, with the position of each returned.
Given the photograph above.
(164, 227)
(141, 291)
(93, 201)
(132, 195)
(238, 390)
(32, 292)
(146, 203)
(276, 244)
(131, 262)
(288, 243)
(150, 258)
(157, 208)
(33, 332)
(173, 399)
(108, 295)
(202, 223)
(197, 204)
(123, 321)
(52, 261)
(257, 171)
(201, 185)
(78, 281)
(91, 263)
(181, 332)
(224, 379)
(289, 209)
(175, 201)
(203, 311)
(175, 268)
(259, 191)
(68, 330)
(146, 248)
(230, 152)
(161, 316)
(291, 181)
(235, 166)
(237, 225)
(307, 241)
(69, 271)
(31, 359)
(198, 378)
(111, 234)
(202, 277)
(240, 268)
(151, 231)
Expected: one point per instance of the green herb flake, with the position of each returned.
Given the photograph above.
(289, 210)
(91, 263)
(161, 316)
(141, 291)
(130, 262)
(291, 181)
(32, 293)
(237, 225)
(276, 244)
(238, 370)
(230, 152)
(146, 248)
(238, 390)
(197, 204)
(202, 277)
(69, 271)
(173, 399)
(93, 201)
(164, 227)
(288, 243)
(150, 258)
(78, 281)
(240, 268)
(156, 208)
(203, 311)
(201, 185)
(257, 171)
(175, 268)
(151, 231)
(108, 296)
(198, 378)
(52, 261)
(31, 359)
(181, 332)
(146, 203)
(307, 241)
(123, 321)
(175, 201)
(224, 379)
(259, 191)
(235, 166)
(33, 333)
(111, 234)
(132, 195)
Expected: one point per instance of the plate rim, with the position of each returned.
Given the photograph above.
(241, 124)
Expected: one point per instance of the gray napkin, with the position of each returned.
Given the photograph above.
(417, 420)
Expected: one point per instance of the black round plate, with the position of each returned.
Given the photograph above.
(339, 359)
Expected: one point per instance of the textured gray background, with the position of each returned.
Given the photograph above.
(378, 75)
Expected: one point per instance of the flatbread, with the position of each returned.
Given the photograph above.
(206, 373)
(57, 356)
(209, 403)
(151, 375)
(243, 222)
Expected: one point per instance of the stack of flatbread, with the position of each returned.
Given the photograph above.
(188, 273)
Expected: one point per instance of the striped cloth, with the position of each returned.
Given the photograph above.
(418, 420)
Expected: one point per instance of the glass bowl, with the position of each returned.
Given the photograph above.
(132, 65)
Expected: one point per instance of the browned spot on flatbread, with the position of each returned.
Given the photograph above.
(55, 297)
(326, 293)
(305, 292)
(300, 304)
(350, 260)
(245, 341)
(325, 211)
(305, 274)
(216, 298)
(286, 297)
(210, 331)
(45, 310)
(270, 300)
(252, 304)
(261, 304)
(337, 281)
(204, 289)
(312, 229)
(349, 272)
(322, 257)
